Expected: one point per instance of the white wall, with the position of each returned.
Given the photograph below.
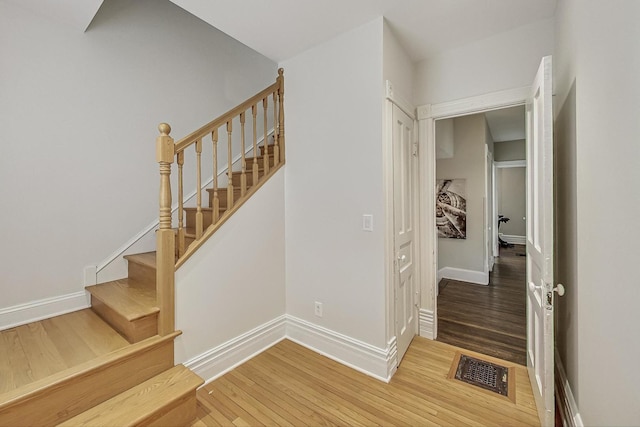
(236, 281)
(334, 105)
(597, 110)
(79, 115)
(397, 66)
(510, 150)
(467, 163)
(511, 186)
(504, 61)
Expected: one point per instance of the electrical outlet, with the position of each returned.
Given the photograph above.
(318, 308)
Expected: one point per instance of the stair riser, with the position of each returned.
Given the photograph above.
(191, 218)
(49, 406)
(237, 176)
(222, 196)
(142, 273)
(181, 413)
(134, 330)
(271, 150)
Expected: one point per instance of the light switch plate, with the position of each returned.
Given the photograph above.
(367, 222)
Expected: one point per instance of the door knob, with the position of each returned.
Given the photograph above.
(402, 258)
(559, 289)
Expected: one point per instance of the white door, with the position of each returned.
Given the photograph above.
(540, 339)
(404, 230)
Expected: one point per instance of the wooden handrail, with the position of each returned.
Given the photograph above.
(222, 120)
(169, 256)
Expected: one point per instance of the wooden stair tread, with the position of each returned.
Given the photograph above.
(141, 403)
(130, 299)
(35, 351)
(64, 394)
(147, 258)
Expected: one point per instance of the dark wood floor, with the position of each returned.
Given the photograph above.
(488, 319)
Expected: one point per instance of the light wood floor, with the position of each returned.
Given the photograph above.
(290, 385)
(488, 319)
(31, 352)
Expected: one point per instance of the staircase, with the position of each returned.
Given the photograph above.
(113, 364)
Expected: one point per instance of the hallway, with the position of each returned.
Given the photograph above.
(488, 319)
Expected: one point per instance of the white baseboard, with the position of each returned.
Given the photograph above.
(513, 239)
(568, 408)
(43, 309)
(471, 276)
(378, 363)
(426, 324)
(373, 361)
(223, 358)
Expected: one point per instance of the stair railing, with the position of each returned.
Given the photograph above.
(174, 247)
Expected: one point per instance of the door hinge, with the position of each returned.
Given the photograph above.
(415, 149)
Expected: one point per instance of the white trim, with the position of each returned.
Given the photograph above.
(513, 239)
(427, 219)
(564, 396)
(223, 358)
(373, 361)
(152, 226)
(470, 276)
(399, 100)
(43, 309)
(427, 114)
(426, 324)
(475, 104)
(511, 164)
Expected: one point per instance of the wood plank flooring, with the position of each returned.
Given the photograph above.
(488, 319)
(289, 385)
(31, 352)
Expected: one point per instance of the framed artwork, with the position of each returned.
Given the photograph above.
(451, 208)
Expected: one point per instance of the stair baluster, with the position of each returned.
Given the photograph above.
(216, 200)
(265, 106)
(280, 83)
(230, 169)
(276, 147)
(199, 224)
(254, 112)
(243, 177)
(181, 247)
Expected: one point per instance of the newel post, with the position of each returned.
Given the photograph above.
(281, 112)
(165, 238)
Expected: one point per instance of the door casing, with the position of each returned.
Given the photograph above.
(427, 115)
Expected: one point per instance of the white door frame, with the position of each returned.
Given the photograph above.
(504, 165)
(394, 98)
(427, 115)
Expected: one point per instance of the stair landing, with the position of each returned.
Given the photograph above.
(31, 352)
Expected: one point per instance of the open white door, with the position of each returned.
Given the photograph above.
(540, 338)
(404, 230)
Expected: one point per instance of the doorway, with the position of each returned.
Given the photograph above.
(480, 307)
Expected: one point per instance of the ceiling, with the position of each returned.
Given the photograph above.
(281, 29)
(506, 124)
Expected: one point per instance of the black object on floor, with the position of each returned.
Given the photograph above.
(481, 373)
